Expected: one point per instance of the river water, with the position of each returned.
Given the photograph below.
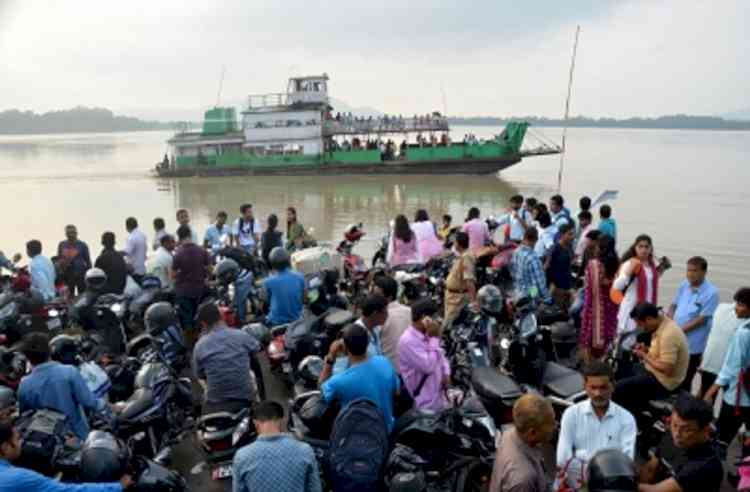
(688, 189)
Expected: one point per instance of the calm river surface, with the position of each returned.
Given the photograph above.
(689, 189)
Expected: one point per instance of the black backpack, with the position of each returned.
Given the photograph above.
(43, 437)
(358, 448)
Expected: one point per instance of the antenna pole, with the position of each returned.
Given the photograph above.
(567, 110)
(221, 85)
(445, 103)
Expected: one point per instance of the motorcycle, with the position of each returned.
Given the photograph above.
(151, 293)
(323, 293)
(412, 281)
(221, 434)
(355, 269)
(103, 315)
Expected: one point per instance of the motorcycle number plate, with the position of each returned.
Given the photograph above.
(221, 472)
(54, 324)
(286, 367)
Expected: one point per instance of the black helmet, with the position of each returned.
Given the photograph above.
(310, 368)
(150, 476)
(7, 398)
(412, 481)
(316, 414)
(159, 316)
(12, 366)
(611, 470)
(279, 258)
(95, 279)
(103, 458)
(227, 271)
(65, 349)
(490, 299)
(259, 331)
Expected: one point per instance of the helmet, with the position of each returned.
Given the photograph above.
(12, 367)
(259, 331)
(490, 299)
(353, 232)
(159, 316)
(227, 271)
(310, 368)
(7, 398)
(412, 481)
(103, 458)
(279, 258)
(152, 477)
(316, 414)
(95, 279)
(610, 470)
(65, 349)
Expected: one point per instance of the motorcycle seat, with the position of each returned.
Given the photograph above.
(489, 383)
(562, 381)
(221, 419)
(142, 400)
(409, 268)
(338, 318)
(562, 331)
(663, 406)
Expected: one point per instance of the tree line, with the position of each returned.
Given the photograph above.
(79, 119)
(679, 122)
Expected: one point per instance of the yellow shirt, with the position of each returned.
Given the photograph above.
(669, 344)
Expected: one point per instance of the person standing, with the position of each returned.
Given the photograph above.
(547, 234)
(519, 464)
(275, 460)
(599, 314)
(665, 362)
(190, 269)
(559, 267)
(527, 271)
(296, 237)
(403, 248)
(399, 318)
(213, 240)
(735, 407)
(75, 259)
(693, 309)
(160, 264)
(271, 237)
(637, 280)
(424, 368)
(592, 425)
(723, 327)
(135, 249)
(41, 270)
(476, 228)
(446, 228)
(374, 316)
(460, 285)
(585, 225)
(113, 264)
(606, 223)
(183, 219)
(515, 220)
(427, 241)
(246, 231)
(558, 212)
(160, 230)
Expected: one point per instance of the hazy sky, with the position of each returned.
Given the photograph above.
(500, 57)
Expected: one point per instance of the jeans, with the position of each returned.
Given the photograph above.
(241, 292)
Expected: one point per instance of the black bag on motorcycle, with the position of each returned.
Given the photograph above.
(42, 437)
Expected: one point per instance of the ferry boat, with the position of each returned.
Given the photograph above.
(298, 133)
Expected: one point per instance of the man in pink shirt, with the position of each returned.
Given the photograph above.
(477, 230)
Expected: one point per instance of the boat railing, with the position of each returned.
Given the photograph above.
(267, 100)
(357, 126)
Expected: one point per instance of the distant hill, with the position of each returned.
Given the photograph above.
(77, 120)
(742, 114)
(676, 122)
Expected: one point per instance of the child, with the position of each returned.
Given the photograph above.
(607, 224)
(445, 229)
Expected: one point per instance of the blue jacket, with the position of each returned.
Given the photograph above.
(15, 479)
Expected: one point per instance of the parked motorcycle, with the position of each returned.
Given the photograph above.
(221, 434)
(355, 270)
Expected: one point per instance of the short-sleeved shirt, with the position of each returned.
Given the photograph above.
(213, 236)
(222, 358)
(135, 249)
(691, 303)
(723, 326)
(478, 232)
(373, 379)
(669, 344)
(518, 467)
(463, 269)
(245, 231)
(116, 269)
(190, 266)
(560, 261)
(285, 291)
(698, 469)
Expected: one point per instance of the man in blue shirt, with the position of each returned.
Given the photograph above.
(526, 269)
(607, 224)
(42, 271)
(286, 290)
(216, 232)
(374, 315)
(275, 460)
(55, 386)
(735, 409)
(693, 309)
(370, 377)
(15, 479)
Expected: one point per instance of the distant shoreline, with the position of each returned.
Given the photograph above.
(677, 122)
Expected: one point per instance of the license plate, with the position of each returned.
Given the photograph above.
(54, 324)
(286, 367)
(221, 472)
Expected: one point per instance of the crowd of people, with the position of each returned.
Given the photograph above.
(393, 351)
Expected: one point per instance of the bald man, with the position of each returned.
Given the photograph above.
(518, 460)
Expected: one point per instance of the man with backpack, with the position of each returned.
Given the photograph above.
(368, 376)
(246, 231)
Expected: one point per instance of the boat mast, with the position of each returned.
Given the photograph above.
(221, 85)
(567, 110)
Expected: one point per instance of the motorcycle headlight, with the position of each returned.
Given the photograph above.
(53, 313)
(505, 344)
(240, 431)
(273, 349)
(434, 280)
(116, 308)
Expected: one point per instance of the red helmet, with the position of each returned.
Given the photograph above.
(21, 283)
(353, 232)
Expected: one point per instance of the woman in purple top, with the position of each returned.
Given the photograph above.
(403, 248)
(476, 228)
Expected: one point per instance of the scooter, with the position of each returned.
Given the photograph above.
(221, 434)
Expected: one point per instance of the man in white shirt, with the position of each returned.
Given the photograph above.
(399, 318)
(160, 264)
(245, 230)
(592, 425)
(135, 249)
(516, 220)
(183, 219)
(724, 323)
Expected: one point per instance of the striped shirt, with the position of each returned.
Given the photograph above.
(582, 434)
(528, 274)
